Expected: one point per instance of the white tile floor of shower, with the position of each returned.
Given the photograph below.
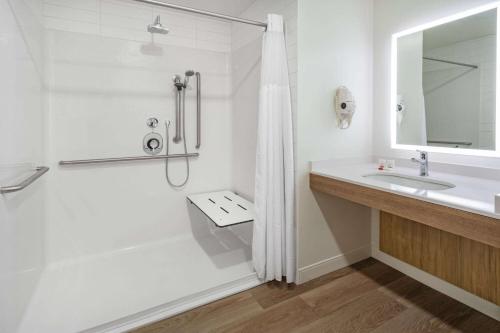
(149, 281)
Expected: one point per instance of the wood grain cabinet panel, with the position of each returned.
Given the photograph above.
(497, 254)
(460, 247)
(468, 264)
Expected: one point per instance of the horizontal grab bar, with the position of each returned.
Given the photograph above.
(461, 143)
(25, 183)
(127, 159)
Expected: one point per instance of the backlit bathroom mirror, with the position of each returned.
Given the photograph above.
(444, 84)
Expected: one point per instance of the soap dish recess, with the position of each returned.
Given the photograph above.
(224, 208)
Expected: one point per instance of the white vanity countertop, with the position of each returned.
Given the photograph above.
(476, 195)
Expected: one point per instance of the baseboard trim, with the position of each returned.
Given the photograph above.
(173, 308)
(329, 265)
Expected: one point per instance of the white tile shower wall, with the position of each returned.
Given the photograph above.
(481, 52)
(22, 221)
(128, 20)
(106, 77)
(246, 57)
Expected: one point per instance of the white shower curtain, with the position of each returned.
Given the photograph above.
(274, 254)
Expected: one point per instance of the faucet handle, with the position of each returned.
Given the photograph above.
(423, 154)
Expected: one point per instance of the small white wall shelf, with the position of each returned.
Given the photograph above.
(224, 208)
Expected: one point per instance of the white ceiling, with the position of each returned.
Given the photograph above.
(468, 28)
(228, 7)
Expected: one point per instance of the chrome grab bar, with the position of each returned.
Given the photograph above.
(39, 171)
(198, 110)
(461, 143)
(178, 114)
(127, 159)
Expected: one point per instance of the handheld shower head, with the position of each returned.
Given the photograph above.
(188, 74)
(157, 27)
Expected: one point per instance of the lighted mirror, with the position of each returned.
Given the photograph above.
(444, 84)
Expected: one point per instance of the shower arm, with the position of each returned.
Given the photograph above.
(198, 110)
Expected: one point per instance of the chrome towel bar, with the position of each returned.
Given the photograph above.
(25, 183)
(127, 159)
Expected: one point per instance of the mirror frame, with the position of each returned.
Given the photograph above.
(394, 85)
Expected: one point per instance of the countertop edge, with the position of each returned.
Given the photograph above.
(407, 195)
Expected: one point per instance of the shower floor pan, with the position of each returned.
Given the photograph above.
(114, 292)
(224, 208)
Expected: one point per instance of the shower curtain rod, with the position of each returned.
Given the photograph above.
(203, 12)
(451, 62)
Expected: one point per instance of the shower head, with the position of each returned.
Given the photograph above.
(188, 74)
(157, 27)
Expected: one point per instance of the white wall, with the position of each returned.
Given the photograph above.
(22, 220)
(335, 48)
(246, 61)
(391, 16)
(106, 78)
(124, 19)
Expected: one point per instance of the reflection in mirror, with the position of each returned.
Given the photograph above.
(446, 84)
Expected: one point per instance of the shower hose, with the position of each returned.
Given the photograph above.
(167, 126)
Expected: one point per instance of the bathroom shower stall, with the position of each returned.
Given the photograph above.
(136, 108)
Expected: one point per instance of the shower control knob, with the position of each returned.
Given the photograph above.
(153, 144)
(152, 122)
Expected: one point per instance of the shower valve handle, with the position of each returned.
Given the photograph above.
(152, 123)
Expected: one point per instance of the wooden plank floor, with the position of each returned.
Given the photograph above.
(366, 297)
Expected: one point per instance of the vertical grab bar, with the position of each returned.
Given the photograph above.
(178, 107)
(198, 110)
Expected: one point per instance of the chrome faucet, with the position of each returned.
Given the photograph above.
(423, 162)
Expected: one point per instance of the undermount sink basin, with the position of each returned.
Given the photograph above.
(419, 183)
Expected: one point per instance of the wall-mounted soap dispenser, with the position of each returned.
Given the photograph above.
(153, 142)
(345, 107)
